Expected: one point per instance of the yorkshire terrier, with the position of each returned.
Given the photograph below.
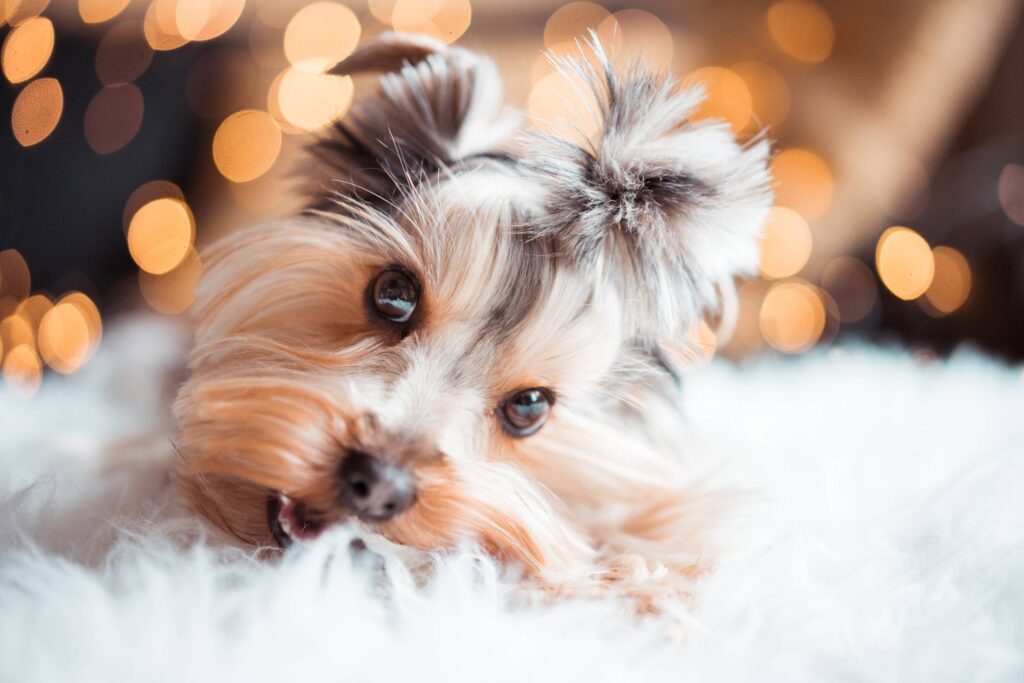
(463, 337)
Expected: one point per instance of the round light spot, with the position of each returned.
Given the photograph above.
(727, 96)
(22, 371)
(571, 22)
(905, 262)
(852, 285)
(64, 340)
(803, 182)
(18, 12)
(98, 11)
(206, 19)
(173, 292)
(246, 145)
(27, 49)
(16, 330)
(90, 313)
(1011, 192)
(123, 53)
(160, 235)
(160, 26)
(323, 30)
(769, 93)
(310, 100)
(113, 117)
(15, 280)
(558, 105)
(952, 281)
(644, 37)
(33, 309)
(802, 29)
(792, 316)
(144, 194)
(785, 244)
(37, 111)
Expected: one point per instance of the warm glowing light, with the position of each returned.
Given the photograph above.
(382, 10)
(445, 20)
(246, 145)
(557, 105)
(952, 282)
(14, 276)
(98, 11)
(727, 96)
(33, 309)
(701, 344)
(803, 182)
(1011, 192)
(17, 12)
(37, 111)
(206, 19)
(769, 93)
(144, 194)
(22, 371)
(173, 292)
(123, 53)
(785, 244)
(802, 29)
(643, 36)
(160, 235)
(905, 262)
(852, 285)
(792, 316)
(220, 82)
(27, 49)
(323, 30)
(90, 313)
(64, 338)
(113, 117)
(160, 26)
(16, 330)
(311, 100)
(571, 22)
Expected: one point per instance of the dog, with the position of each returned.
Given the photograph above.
(466, 336)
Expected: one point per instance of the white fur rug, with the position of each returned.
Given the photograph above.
(883, 539)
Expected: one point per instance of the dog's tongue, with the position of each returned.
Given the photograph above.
(290, 520)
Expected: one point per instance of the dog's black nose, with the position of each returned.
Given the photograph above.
(375, 491)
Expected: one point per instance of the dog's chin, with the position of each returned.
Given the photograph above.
(291, 520)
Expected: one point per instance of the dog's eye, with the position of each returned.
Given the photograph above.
(526, 411)
(394, 295)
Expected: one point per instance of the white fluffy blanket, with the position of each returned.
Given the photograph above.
(883, 539)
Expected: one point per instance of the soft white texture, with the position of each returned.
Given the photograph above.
(880, 537)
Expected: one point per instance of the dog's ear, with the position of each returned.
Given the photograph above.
(436, 105)
(663, 209)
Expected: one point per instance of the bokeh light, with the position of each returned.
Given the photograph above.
(1011, 192)
(634, 34)
(15, 280)
(327, 31)
(22, 371)
(161, 234)
(803, 182)
(18, 12)
(308, 99)
(851, 284)
(792, 316)
(246, 145)
(64, 338)
(769, 93)
(571, 23)
(443, 19)
(173, 292)
(146, 193)
(802, 29)
(785, 244)
(951, 284)
(36, 111)
(27, 49)
(16, 330)
(558, 104)
(98, 11)
(160, 26)
(202, 20)
(728, 97)
(123, 53)
(905, 262)
(113, 117)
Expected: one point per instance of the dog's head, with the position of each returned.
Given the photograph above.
(458, 339)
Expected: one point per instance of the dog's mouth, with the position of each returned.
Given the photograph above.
(291, 520)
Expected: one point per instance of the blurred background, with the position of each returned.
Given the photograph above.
(136, 131)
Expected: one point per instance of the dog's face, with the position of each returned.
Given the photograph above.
(460, 342)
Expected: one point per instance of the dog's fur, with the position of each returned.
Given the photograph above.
(542, 263)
